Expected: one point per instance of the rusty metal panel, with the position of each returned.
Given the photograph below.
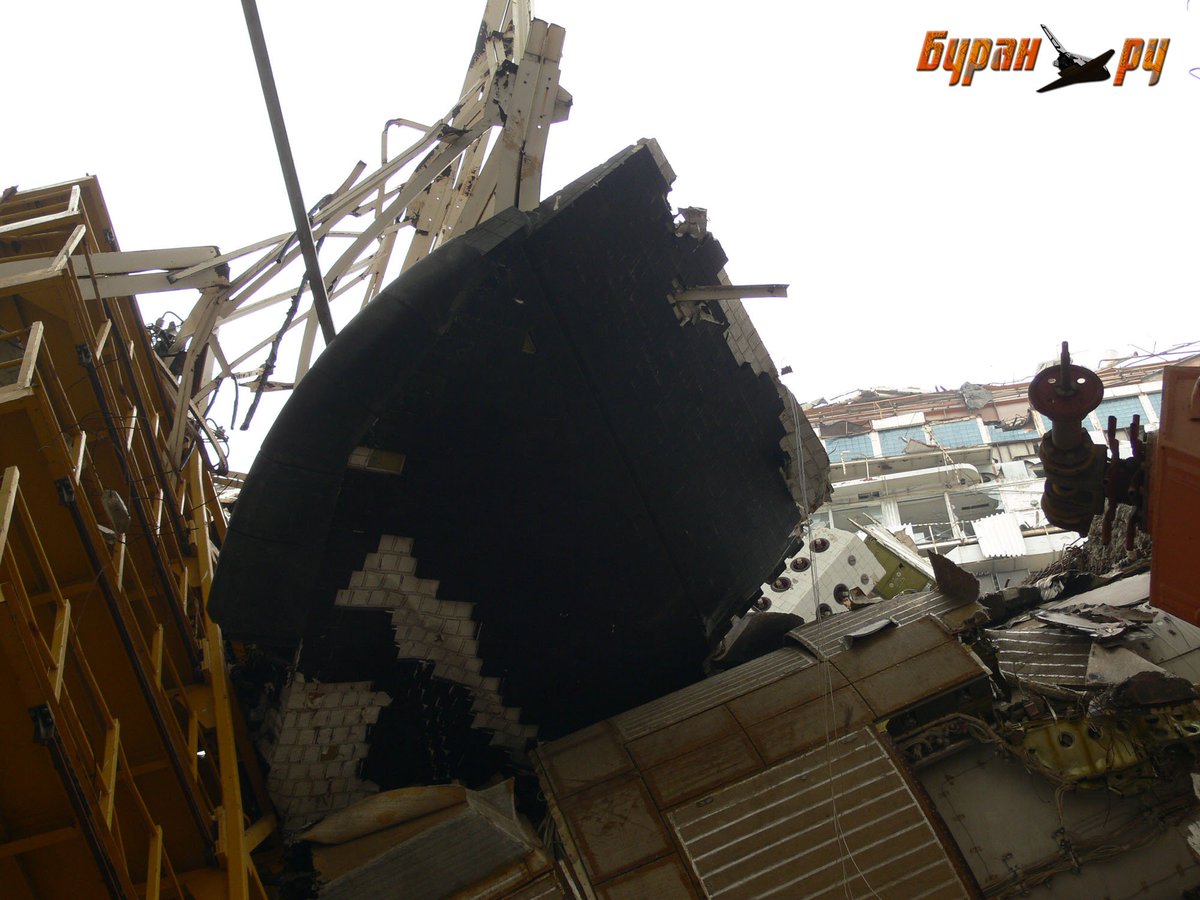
(824, 636)
(920, 677)
(465, 846)
(888, 648)
(1174, 645)
(1041, 656)
(1175, 494)
(682, 737)
(839, 820)
(615, 827)
(805, 727)
(786, 694)
(663, 879)
(545, 888)
(697, 698)
(703, 770)
(954, 581)
(584, 758)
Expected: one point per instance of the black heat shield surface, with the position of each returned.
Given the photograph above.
(603, 484)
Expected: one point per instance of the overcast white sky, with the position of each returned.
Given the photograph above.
(930, 234)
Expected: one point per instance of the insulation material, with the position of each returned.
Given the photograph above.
(314, 742)
(441, 632)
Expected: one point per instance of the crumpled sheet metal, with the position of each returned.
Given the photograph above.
(1126, 592)
(1037, 656)
(825, 636)
(1088, 626)
(1103, 613)
(952, 580)
(1089, 647)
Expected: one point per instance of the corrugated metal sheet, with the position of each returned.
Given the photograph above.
(464, 846)
(999, 536)
(825, 635)
(664, 878)
(1042, 656)
(545, 888)
(1173, 644)
(711, 692)
(840, 820)
(1125, 592)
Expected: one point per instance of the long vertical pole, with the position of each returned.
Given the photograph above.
(288, 165)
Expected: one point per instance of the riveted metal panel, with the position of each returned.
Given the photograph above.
(682, 737)
(787, 693)
(837, 819)
(663, 879)
(545, 888)
(825, 635)
(703, 770)
(920, 677)
(584, 758)
(711, 692)
(807, 726)
(889, 648)
(616, 827)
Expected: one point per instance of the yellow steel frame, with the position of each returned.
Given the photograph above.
(138, 742)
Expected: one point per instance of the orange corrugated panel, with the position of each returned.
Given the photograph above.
(1174, 502)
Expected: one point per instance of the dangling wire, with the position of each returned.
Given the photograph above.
(827, 705)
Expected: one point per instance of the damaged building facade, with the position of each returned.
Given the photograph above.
(958, 471)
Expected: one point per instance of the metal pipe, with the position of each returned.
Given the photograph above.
(288, 165)
(45, 732)
(1066, 433)
(66, 494)
(155, 460)
(189, 642)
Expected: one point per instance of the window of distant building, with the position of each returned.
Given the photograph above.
(1001, 436)
(894, 440)
(1156, 403)
(957, 434)
(844, 449)
(1124, 408)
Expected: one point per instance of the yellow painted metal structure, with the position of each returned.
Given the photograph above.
(125, 770)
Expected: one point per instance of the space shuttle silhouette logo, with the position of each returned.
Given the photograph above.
(1074, 68)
